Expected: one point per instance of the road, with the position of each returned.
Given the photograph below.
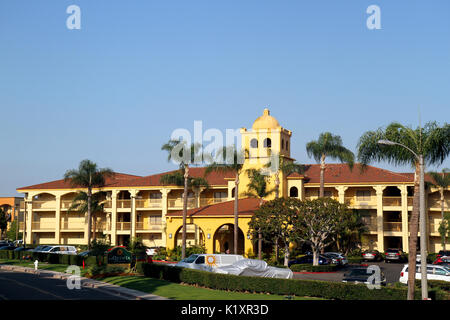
(27, 286)
(390, 270)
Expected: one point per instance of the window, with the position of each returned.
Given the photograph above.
(293, 192)
(363, 195)
(155, 220)
(200, 260)
(220, 195)
(254, 143)
(282, 144)
(155, 195)
(232, 192)
(267, 143)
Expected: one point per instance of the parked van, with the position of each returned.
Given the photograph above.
(62, 249)
(207, 261)
(434, 272)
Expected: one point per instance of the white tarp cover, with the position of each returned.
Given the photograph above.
(254, 268)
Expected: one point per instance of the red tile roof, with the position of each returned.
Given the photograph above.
(126, 180)
(246, 207)
(61, 184)
(341, 173)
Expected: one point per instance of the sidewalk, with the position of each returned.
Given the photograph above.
(88, 283)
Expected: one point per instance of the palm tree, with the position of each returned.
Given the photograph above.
(234, 165)
(284, 166)
(258, 188)
(90, 177)
(441, 181)
(80, 204)
(431, 142)
(184, 155)
(328, 145)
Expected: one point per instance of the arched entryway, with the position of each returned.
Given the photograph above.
(223, 239)
(194, 236)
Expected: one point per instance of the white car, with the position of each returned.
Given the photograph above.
(207, 262)
(61, 250)
(434, 272)
(255, 268)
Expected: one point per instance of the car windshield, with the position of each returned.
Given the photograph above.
(190, 259)
(392, 250)
(46, 249)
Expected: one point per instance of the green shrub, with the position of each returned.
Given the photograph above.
(3, 254)
(105, 270)
(90, 261)
(52, 258)
(355, 259)
(308, 288)
(64, 259)
(311, 268)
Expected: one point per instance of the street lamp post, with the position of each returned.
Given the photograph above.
(422, 224)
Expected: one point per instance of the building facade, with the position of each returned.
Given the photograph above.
(143, 207)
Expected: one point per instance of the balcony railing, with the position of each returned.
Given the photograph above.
(355, 201)
(140, 226)
(392, 226)
(178, 203)
(209, 201)
(148, 203)
(44, 204)
(123, 204)
(42, 226)
(436, 203)
(392, 201)
(66, 225)
(123, 226)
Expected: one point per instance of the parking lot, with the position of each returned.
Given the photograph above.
(390, 270)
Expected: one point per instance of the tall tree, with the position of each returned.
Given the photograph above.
(184, 155)
(441, 181)
(258, 188)
(88, 176)
(275, 220)
(318, 223)
(3, 222)
(430, 142)
(328, 145)
(349, 231)
(230, 160)
(80, 204)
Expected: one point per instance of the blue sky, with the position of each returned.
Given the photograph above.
(114, 91)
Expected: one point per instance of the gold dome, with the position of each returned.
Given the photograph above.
(266, 121)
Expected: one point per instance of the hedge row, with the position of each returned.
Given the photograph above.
(303, 288)
(52, 258)
(311, 268)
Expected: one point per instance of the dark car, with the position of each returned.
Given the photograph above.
(22, 249)
(443, 261)
(443, 253)
(396, 255)
(308, 259)
(371, 255)
(361, 275)
(7, 248)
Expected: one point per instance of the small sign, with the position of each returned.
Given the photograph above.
(119, 255)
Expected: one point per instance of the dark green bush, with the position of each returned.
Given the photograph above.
(311, 268)
(106, 270)
(52, 258)
(3, 254)
(64, 259)
(308, 288)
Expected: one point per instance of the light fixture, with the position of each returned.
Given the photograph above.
(209, 235)
(170, 236)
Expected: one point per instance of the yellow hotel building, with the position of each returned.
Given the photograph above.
(142, 207)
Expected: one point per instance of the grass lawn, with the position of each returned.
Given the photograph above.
(161, 287)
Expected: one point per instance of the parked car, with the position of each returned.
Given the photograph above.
(434, 272)
(206, 261)
(18, 242)
(9, 247)
(308, 259)
(22, 249)
(443, 261)
(61, 249)
(85, 253)
(371, 255)
(336, 258)
(443, 253)
(254, 268)
(361, 275)
(396, 255)
(40, 248)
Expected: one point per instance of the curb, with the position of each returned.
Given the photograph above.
(89, 283)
